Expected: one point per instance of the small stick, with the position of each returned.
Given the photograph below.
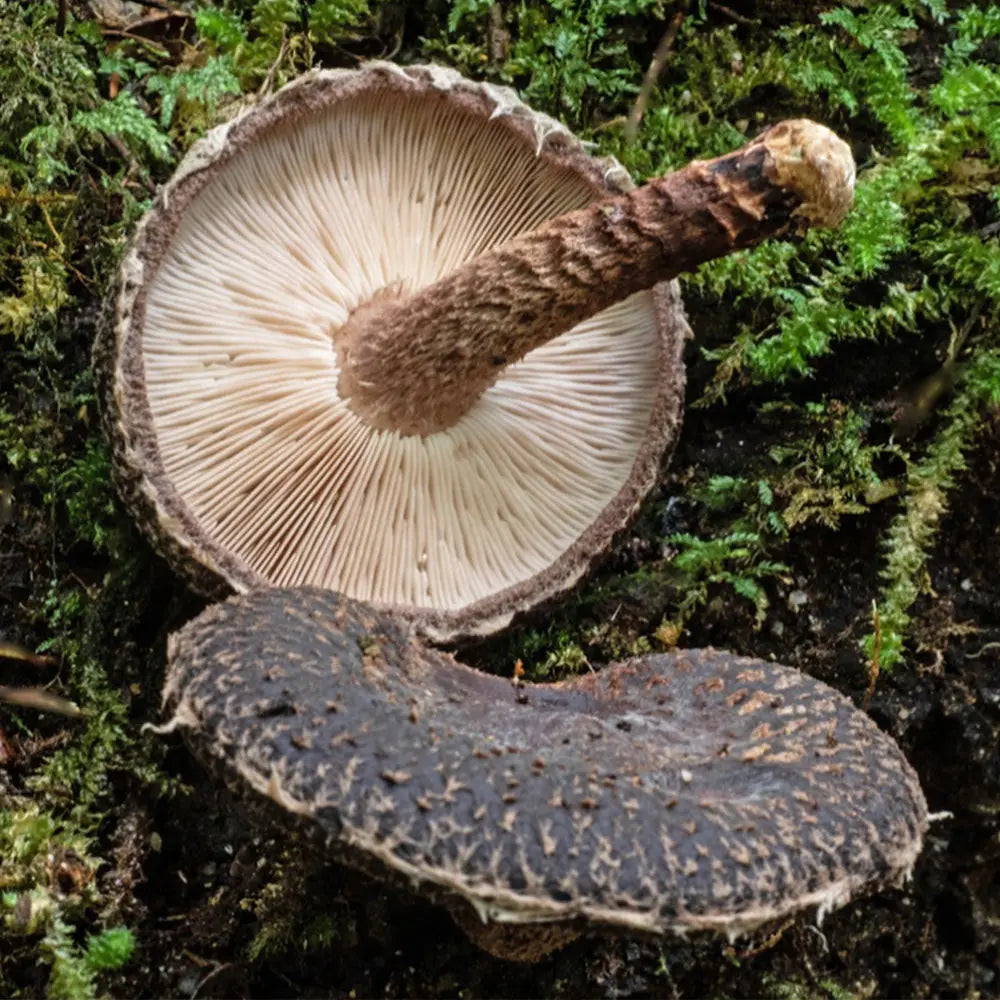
(161, 50)
(160, 5)
(731, 14)
(12, 651)
(265, 87)
(40, 699)
(126, 154)
(498, 35)
(990, 647)
(659, 61)
(874, 665)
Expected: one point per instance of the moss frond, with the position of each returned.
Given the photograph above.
(910, 538)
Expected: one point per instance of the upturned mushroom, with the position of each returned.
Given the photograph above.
(395, 334)
(688, 791)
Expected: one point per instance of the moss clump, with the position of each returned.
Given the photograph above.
(929, 479)
(47, 883)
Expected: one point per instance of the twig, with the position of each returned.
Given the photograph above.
(56, 254)
(611, 123)
(874, 663)
(265, 87)
(126, 154)
(498, 36)
(159, 49)
(766, 943)
(42, 198)
(990, 647)
(40, 699)
(13, 651)
(659, 61)
(918, 401)
(61, 18)
(731, 14)
(160, 5)
(221, 968)
(958, 337)
(397, 43)
(52, 227)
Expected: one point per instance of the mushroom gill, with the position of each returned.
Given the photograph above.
(346, 353)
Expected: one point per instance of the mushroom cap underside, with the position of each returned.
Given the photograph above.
(692, 790)
(219, 369)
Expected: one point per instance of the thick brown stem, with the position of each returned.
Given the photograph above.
(417, 364)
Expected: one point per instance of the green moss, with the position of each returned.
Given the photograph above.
(574, 60)
(47, 885)
(287, 927)
(916, 88)
(825, 989)
(827, 467)
(550, 654)
(74, 969)
(734, 560)
(929, 479)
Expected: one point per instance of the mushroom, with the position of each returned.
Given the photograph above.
(685, 791)
(395, 334)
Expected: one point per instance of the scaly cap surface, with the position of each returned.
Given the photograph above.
(688, 791)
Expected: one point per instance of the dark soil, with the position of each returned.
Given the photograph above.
(200, 898)
(200, 883)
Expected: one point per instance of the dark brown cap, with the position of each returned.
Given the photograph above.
(692, 790)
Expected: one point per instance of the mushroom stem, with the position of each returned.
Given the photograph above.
(417, 364)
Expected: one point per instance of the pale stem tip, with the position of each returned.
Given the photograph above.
(815, 164)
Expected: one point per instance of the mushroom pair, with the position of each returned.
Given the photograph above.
(397, 347)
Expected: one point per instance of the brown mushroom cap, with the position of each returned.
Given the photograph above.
(219, 371)
(693, 790)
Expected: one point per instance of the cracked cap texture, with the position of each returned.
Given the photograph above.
(693, 790)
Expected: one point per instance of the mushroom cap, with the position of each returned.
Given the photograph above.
(691, 790)
(219, 369)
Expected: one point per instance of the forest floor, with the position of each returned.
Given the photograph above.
(832, 503)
